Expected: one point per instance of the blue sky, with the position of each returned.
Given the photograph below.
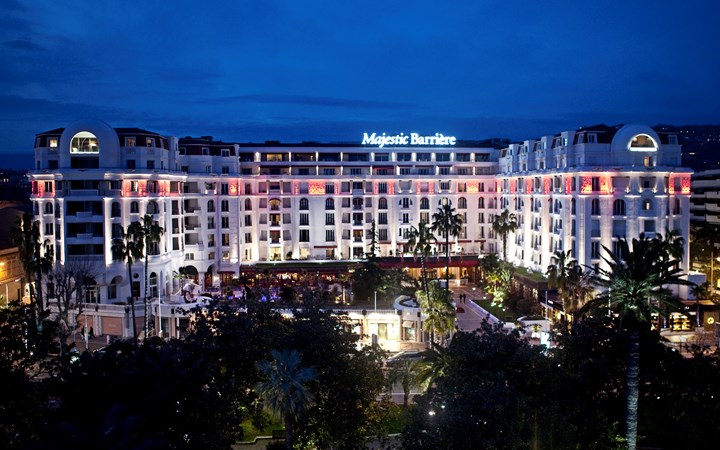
(330, 70)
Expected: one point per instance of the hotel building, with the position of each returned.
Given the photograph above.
(228, 207)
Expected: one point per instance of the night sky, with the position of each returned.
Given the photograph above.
(330, 70)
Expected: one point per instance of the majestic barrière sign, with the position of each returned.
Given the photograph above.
(381, 140)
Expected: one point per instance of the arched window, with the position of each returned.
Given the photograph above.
(595, 207)
(329, 204)
(112, 288)
(481, 203)
(248, 204)
(48, 208)
(115, 209)
(304, 204)
(211, 206)
(134, 208)
(424, 203)
(152, 207)
(647, 205)
(462, 203)
(153, 285)
(84, 142)
(619, 207)
(382, 203)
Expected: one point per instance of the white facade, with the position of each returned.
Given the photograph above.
(225, 205)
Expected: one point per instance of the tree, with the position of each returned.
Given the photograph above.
(404, 372)
(439, 311)
(129, 248)
(70, 281)
(150, 235)
(573, 284)
(285, 390)
(434, 364)
(421, 240)
(499, 282)
(635, 284)
(36, 257)
(448, 223)
(504, 224)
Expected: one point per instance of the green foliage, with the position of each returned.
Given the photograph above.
(499, 281)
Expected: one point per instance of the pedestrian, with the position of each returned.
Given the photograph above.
(92, 332)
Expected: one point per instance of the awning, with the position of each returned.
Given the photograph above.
(408, 324)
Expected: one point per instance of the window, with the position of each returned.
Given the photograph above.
(115, 209)
(225, 239)
(304, 219)
(205, 151)
(304, 235)
(211, 240)
(225, 152)
(329, 188)
(382, 203)
(84, 142)
(424, 203)
(462, 203)
(595, 184)
(130, 163)
(134, 208)
(48, 229)
(382, 218)
(211, 223)
(619, 207)
(224, 206)
(405, 218)
(329, 204)
(329, 219)
(248, 220)
(383, 234)
(405, 202)
(595, 250)
(211, 206)
(150, 164)
(595, 207)
(153, 208)
(248, 238)
(224, 189)
(444, 185)
(647, 205)
(304, 204)
(329, 235)
(224, 222)
(425, 217)
(150, 142)
(53, 142)
(382, 188)
(248, 204)
(208, 169)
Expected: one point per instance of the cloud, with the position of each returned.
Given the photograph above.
(23, 44)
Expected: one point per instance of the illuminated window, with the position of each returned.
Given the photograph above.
(84, 142)
(53, 143)
(642, 141)
(647, 205)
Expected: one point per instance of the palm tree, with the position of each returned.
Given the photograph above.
(421, 239)
(434, 364)
(128, 248)
(573, 284)
(448, 223)
(404, 372)
(439, 311)
(635, 285)
(151, 233)
(504, 224)
(26, 236)
(285, 391)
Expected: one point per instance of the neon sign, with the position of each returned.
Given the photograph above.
(381, 140)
